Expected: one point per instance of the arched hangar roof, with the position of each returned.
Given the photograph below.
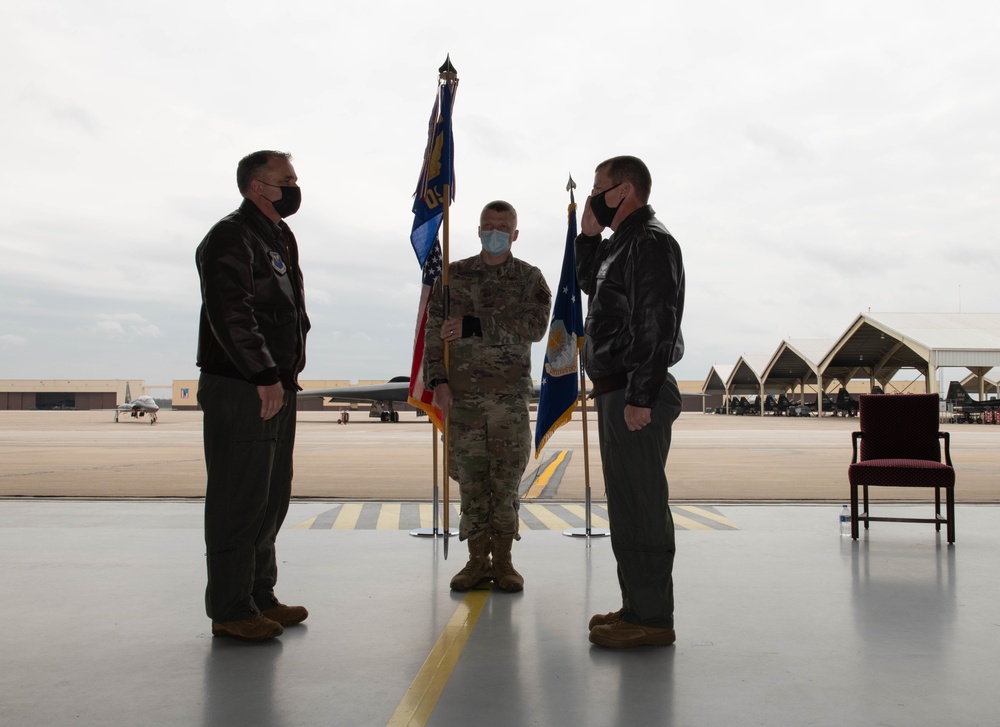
(887, 342)
(796, 361)
(989, 381)
(747, 375)
(715, 383)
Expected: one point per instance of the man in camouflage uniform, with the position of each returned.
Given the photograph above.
(499, 306)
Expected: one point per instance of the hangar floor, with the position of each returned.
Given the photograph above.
(780, 621)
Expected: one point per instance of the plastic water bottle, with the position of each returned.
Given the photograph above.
(845, 520)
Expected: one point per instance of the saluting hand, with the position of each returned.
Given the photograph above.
(588, 223)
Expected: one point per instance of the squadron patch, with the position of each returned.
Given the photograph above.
(278, 264)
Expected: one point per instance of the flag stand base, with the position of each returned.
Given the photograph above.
(433, 533)
(585, 533)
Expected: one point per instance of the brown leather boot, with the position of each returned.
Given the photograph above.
(504, 574)
(286, 615)
(255, 628)
(478, 571)
(603, 619)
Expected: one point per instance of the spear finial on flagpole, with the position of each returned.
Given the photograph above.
(570, 186)
(447, 71)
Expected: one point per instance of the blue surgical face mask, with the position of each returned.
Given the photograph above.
(495, 242)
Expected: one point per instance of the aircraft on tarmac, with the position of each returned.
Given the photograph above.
(139, 407)
(381, 396)
(970, 409)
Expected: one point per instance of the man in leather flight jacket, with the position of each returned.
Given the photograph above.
(634, 281)
(251, 349)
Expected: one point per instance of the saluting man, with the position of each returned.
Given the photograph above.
(634, 281)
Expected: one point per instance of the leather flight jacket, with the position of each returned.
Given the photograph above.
(634, 281)
(253, 317)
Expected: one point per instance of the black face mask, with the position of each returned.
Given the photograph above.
(291, 198)
(602, 213)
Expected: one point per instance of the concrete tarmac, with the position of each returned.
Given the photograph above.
(713, 458)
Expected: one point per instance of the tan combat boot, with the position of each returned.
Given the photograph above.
(478, 571)
(504, 574)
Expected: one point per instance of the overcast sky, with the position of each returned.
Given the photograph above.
(814, 160)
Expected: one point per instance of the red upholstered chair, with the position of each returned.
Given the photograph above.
(900, 447)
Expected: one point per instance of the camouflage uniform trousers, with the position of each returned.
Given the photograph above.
(489, 446)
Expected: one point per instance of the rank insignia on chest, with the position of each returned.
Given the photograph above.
(278, 264)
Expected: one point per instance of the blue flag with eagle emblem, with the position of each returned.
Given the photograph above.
(438, 170)
(560, 377)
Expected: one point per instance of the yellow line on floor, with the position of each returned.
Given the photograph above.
(388, 516)
(348, 516)
(420, 699)
(581, 512)
(708, 514)
(543, 479)
(426, 515)
(305, 524)
(688, 524)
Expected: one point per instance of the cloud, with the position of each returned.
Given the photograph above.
(8, 340)
(817, 153)
(123, 325)
(781, 144)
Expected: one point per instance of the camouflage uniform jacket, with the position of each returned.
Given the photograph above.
(511, 301)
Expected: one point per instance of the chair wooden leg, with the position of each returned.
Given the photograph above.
(867, 511)
(937, 508)
(950, 499)
(854, 512)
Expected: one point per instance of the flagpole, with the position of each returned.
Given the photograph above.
(448, 74)
(446, 420)
(432, 200)
(586, 446)
(434, 467)
(587, 531)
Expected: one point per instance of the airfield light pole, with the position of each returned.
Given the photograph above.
(588, 531)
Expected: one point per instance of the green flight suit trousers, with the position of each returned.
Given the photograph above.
(249, 464)
(642, 529)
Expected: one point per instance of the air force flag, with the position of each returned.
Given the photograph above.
(560, 379)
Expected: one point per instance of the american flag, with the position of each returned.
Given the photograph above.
(420, 397)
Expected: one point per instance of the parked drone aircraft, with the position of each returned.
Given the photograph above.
(962, 403)
(381, 396)
(139, 407)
